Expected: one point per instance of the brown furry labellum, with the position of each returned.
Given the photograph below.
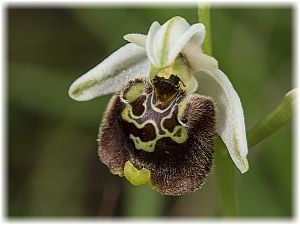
(155, 126)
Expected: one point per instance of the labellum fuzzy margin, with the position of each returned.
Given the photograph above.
(175, 167)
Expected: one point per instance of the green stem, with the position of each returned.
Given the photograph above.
(225, 170)
(224, 166)
(142, 201)
(273, 121)
(204, 17)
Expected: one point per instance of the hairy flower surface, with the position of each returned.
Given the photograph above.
(169, 100)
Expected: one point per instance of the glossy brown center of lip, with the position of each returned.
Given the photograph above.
(165, 90)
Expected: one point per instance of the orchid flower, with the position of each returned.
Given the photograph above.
(169, 99)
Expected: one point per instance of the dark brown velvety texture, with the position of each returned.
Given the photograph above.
(112, 138)
(175, 168)
(137, 106)
(180, 168)
(147, 133)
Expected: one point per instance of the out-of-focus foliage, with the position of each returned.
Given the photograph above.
(53, 168)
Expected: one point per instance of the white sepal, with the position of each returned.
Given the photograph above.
(128, 62)
(230, 117)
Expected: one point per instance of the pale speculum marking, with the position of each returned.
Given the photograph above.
(147, 124)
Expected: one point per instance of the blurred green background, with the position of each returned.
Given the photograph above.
(53, 168)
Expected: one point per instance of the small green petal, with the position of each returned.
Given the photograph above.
(137, 39)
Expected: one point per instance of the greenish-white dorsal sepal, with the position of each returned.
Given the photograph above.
(175, 36)
(194, 34)
(128, 62)
(192, 51)
(138, 39)
(150, 49)
(230, 117)
(165, 42)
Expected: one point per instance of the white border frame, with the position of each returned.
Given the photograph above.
(59, 3)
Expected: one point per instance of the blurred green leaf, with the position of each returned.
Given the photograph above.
(142, 201)
(274, 120)
(55, 186)
(44, 90)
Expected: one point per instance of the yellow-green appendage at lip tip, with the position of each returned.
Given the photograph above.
(136, 176)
